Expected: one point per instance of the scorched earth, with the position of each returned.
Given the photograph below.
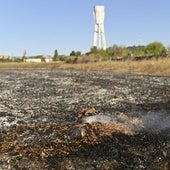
(68, 119)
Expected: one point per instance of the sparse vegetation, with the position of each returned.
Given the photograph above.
(153, 58)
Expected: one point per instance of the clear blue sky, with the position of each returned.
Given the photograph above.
(41, 26)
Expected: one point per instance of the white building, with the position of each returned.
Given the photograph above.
(33, 60)
(47, 58)
(4, 57)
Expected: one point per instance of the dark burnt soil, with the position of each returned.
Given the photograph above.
(67, 119)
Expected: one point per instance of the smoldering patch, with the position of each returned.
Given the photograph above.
(150, 122)
(115, 123)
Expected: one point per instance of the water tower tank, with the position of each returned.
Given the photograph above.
(99, 14)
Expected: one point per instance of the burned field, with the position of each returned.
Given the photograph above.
(67, 119)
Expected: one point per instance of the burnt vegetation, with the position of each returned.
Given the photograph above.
(67, 119)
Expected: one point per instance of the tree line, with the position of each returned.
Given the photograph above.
(152, 50)
(116, 52)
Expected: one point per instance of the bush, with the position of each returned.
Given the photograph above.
(155, 48)
(89, 58)
(71, 60)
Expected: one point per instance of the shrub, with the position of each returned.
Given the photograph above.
(155, 48)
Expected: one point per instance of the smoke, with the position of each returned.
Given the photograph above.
(150, 122)
(119, 123)
(98, 118)
(156, 121)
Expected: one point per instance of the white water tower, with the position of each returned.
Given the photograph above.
(99, 40)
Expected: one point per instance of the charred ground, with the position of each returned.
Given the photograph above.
(41, 112)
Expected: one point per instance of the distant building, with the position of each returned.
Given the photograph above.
(39, 59)
(4, 57)
(47, 58)
(33, 60)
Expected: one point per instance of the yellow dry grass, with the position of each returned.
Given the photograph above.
(153, 67)
(15, 65)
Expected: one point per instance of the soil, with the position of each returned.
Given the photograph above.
(72, 120)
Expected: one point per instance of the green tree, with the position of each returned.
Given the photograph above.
(100, 53)
(75, 53)
(94, 50)
(156, 49)
(120, 51)
(137, 51)
(103, 54)
(24, 53)
(110, 52)
(78, 53)
(55, 57)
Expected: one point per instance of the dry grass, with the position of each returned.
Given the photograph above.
(16, 65)
(153, 67)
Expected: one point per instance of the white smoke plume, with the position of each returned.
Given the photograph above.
(156, 121)
(149, 122)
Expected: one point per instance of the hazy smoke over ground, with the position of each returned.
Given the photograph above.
(99, 118)
(149, 122)
(156, 121)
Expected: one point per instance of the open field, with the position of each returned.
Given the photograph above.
(55, 118)
(152, 67)
(159, 67)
